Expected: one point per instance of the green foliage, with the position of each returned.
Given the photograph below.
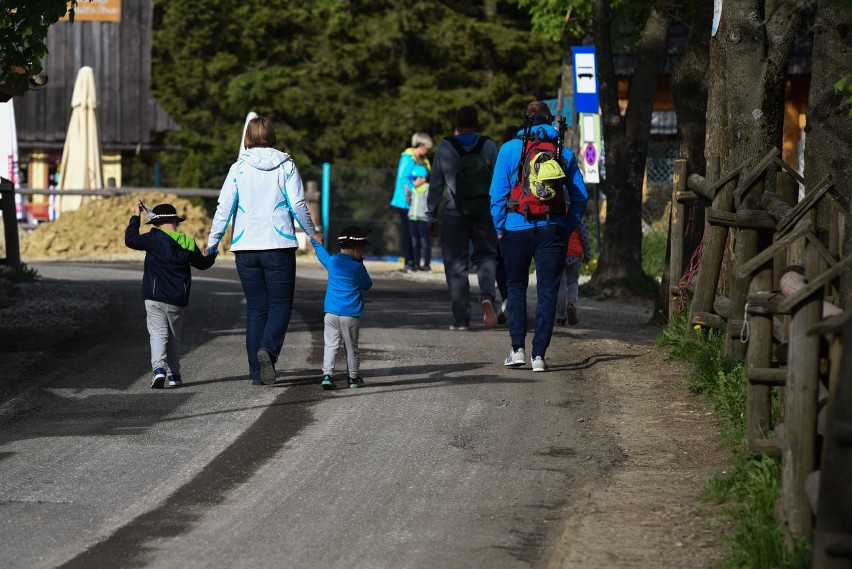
(752, 485)
(23, 35)
(342, 81)
(654, 244)
(844, 87)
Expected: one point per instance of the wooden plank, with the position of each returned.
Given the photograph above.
(767, 254)
(836, 198)
(707, 320)
(685, 196)
(678, 218)
(721, 218)
(709, 188)
(767, 376)
(833, 535)
(800, 409)
(745, 184)
(769, 447)
(832, 324)
(806, 204)
(790, 170)
(817, 283)
(765, 302)
(823, 252)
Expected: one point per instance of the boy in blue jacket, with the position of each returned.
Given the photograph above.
(344, 301)
(166, 281)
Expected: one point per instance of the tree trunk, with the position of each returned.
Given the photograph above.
(626, 142)
(689, 92)
(829, 144)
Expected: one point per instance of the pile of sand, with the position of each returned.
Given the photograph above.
(97, 228)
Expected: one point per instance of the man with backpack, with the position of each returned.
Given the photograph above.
(537, 199)
(463, 165)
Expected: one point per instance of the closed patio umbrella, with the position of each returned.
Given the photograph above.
(80, 168)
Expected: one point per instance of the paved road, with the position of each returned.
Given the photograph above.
(444, 459)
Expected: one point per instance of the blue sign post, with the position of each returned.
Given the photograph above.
(585, 79)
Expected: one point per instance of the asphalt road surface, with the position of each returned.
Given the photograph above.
(444, 459)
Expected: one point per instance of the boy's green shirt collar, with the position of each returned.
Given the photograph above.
(182, 239)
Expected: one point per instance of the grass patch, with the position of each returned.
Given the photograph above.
(654, 243)
(752, 485)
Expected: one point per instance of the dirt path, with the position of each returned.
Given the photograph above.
(646, 446)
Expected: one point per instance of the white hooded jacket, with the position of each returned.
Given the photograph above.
(265, 190)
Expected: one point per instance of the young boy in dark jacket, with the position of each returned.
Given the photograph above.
(166, 281)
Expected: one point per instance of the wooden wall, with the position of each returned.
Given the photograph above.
(120, 54)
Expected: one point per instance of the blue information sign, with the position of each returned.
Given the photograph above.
(585, 79)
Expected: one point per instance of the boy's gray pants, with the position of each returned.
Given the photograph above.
(337, 328)
(569, 287)
(165, 322)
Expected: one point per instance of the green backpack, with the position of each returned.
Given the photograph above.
(473, 180)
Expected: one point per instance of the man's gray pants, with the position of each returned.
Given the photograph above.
(165, 323)
(457, 234)
(339, 328)
(569, 287)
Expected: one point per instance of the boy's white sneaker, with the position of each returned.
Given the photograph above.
(538, 364)
(515, 358)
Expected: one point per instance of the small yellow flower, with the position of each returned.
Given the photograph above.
(697, 327)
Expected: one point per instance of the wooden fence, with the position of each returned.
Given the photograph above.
(769, 279)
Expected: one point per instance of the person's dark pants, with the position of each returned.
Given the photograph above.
(547, 245)
(269, 283)
(501, 277)
(457, 235)
(406, 250)
(420, 243)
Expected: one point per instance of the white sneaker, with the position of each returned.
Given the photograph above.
(515, 358)
(538, 364)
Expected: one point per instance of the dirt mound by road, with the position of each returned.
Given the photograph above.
(97, 228)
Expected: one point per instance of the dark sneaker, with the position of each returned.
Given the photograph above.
(460, 325)
(267, 368)
(425, 268)
(175, 381)
(328, 382)
(571, 312)
(560, 322)
(256, 382)
(489, 315)
(355, 382)
(503, 315)
(159, 379)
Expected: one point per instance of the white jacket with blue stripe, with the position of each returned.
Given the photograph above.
(265, 190)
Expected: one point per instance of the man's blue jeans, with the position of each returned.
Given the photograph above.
(547, 245)
(269, 282)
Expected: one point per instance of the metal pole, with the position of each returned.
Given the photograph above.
(598, 216)
(326, 193)
(10, 223)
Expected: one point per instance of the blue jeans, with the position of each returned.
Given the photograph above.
(547, 245)
(269, 282)
(405, 246)
(420, 243)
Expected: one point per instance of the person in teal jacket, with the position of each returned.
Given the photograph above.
(344, 302)
(421, 144)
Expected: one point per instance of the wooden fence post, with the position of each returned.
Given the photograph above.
(10, 224)
(800, 407)
(833, 534)
(713, 249)
(676, 233)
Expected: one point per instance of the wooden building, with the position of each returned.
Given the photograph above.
(114, 38)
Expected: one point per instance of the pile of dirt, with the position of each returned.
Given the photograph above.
(97, 228)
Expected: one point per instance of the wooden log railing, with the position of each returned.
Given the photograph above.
(783, 278)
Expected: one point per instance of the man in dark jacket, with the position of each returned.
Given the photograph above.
(467, 233)
(166, 281)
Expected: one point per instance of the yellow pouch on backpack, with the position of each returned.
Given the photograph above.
(544, 173)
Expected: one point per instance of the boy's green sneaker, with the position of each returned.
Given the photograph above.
(356, 382)
(327, 382)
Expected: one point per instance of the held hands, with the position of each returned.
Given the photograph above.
(432, 228)
(317, 237)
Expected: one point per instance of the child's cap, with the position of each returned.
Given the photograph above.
(164, 213)
(353, 235)
(419, 171)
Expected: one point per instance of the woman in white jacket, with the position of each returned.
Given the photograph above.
(263, 195)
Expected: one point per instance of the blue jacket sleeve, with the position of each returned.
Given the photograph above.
(577, 193)
(132, 238)
(406, 164)
(362, 277)
(501, 182)
(322, 254)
